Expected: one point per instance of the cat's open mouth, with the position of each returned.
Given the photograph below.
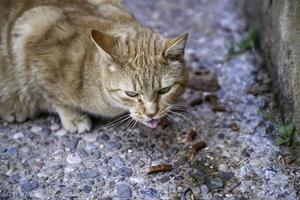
(153, 123)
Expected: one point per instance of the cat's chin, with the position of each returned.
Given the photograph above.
(153, 124)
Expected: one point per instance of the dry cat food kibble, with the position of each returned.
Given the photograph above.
(196, 101)
(164, 123)
(219, 108)
(234, 127)
(212, 99)
(160, 168)
(215, 107)
(191, 135)
(204, 80)
(195, 148)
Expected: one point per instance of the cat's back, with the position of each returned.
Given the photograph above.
(47, 24)
(21, 20)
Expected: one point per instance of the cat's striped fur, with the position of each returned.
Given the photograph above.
(74, 57)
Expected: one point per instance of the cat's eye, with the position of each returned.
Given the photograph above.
(164, 90)
(131, 94)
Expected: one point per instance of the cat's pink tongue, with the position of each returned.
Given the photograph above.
(153, 123)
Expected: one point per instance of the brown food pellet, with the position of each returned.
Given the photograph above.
(219, 108)
(196, 101)
(160, 168)
(212, 99)
(191, 135)
(199, 145)
(195, 148)
(164, 123)
(234, 127)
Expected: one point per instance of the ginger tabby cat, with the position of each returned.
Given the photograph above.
(80, 57)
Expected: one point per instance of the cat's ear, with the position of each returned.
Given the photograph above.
(104, 42)
(174, 49)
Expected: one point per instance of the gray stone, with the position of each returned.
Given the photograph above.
(214, 182)
(28, 185)
(96, 154)
(123, 191)
(36, 129)
(18, 135)
(125, 171)
(73, 159)
(117, 161)
(226, 175)
(149, 192)
(72, 143)
(46, 132)
(88, 174)
(61, 132)
(87, 189)
(112, 145)
(12, 151)
(104, 137)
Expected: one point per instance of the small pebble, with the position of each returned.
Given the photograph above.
(112, 145)
(73, 159)
(150, 192)
(123, 191)
(12, 151)
(214, 182)
(54, 127)
(36, 129)
(88, 174)
(226, 175)
(18, 135)
(125, 171)
(117, 161)
(90, 137)
(104, 137)
(46, 132)
(29, 185)
(87, 189)
(72, 144)
(61, 132)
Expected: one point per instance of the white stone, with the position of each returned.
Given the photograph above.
(73, 159)
(69, 170)
(54, 127)
(18, 135)
(61, 132)
(90, 137)
(36, 129)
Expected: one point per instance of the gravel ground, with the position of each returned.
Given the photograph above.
(39, 160)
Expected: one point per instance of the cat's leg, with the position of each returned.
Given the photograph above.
(73, 120)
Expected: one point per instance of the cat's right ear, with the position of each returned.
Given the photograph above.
(104, 42)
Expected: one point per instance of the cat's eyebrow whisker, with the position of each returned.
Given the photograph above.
(183, 116)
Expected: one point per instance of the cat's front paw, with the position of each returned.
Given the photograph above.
(80, 124)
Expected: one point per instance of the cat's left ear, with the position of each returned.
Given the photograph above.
(175, 48)
(104, 42)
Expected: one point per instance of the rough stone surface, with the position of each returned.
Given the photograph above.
(248, 160)
(279, 25)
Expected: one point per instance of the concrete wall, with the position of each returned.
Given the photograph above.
(278, 22)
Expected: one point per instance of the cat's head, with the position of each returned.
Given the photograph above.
(145, 72)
